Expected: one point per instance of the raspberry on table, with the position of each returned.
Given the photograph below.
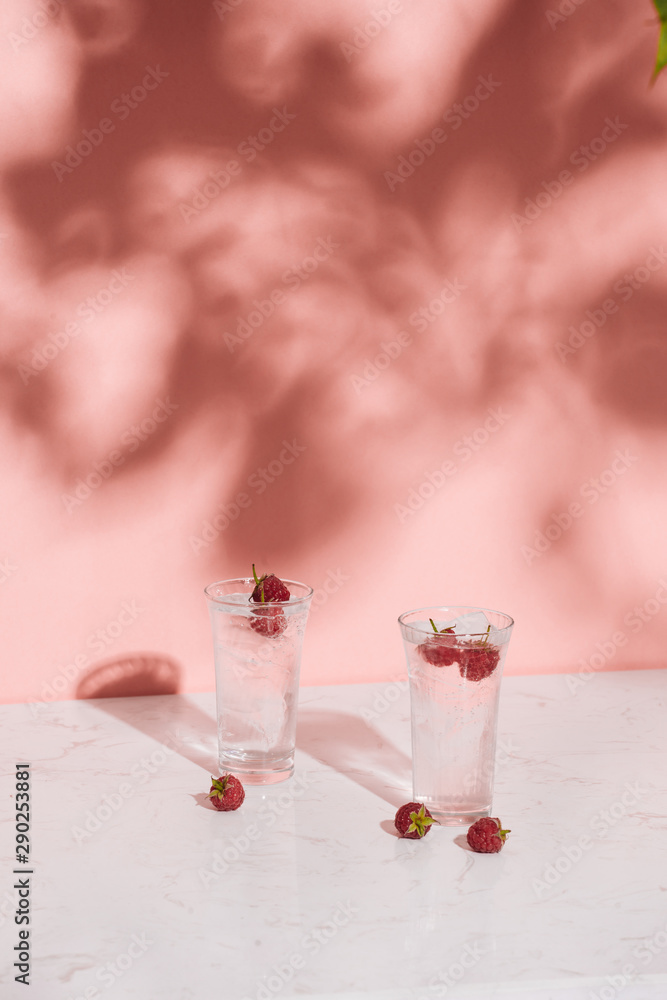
(227, 793)
(486, 836)
(413, 821)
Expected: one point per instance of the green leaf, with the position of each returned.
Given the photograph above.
(661, 58)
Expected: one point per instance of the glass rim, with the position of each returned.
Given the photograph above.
(247, 580)
(453, 607)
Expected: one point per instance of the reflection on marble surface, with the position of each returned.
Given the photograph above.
(141, 890)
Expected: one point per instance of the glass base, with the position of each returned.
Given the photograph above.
(446, 818)
(257, 772)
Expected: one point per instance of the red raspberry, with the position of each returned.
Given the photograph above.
(413, 821)
(270, 622)
(269, 590)
(487, 836)
(226, 793)
(478, 662)
(435, 650)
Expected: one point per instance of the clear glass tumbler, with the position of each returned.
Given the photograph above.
(257, 662)
(454, 678)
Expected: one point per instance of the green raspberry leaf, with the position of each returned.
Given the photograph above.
(420, 822)
(661, 58)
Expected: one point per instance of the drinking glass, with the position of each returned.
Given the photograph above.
(257, 650)
(454, 693)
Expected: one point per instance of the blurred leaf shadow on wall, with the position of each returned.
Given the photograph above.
(262, 347)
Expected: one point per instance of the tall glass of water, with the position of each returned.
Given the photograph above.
(257, 651)
(455, 661)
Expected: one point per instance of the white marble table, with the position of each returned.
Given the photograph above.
(306, 891)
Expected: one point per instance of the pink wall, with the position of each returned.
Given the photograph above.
(433, 263)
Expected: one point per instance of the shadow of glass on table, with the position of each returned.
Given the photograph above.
(141, 689)
(353, 747)
(133, 676)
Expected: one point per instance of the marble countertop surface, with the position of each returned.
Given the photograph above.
(138, 889)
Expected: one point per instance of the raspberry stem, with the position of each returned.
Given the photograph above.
(419, 821)
(258, 581)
